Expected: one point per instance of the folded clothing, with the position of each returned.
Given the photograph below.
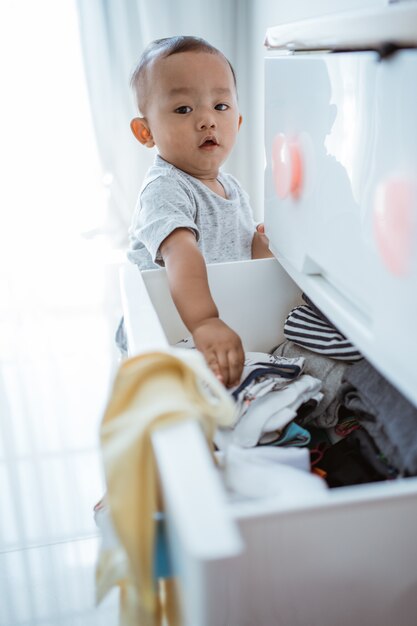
(268, 413)
(354, 460)
(329, 371)
(272, 472)
(388, 417)
(306, 326)
(263, 373)
(293, 435)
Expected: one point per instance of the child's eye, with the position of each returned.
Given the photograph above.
(183, 110)
(221, 107)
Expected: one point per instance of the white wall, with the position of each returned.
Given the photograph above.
(266, 13)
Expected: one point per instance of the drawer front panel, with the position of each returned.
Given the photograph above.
(341, 193)
(315, 105)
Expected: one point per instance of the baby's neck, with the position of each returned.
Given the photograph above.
(215, 185)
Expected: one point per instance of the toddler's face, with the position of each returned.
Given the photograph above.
(192, 111)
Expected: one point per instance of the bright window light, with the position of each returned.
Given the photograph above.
(52, 191)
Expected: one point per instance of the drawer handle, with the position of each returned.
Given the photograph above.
(286, 166)
(394, 212)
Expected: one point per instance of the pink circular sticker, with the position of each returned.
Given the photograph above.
(393, 219)
(286, 167)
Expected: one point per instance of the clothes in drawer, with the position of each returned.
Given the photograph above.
(341, 199)
(338, 557)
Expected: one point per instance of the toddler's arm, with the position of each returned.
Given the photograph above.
(260, 244)
(187, 278)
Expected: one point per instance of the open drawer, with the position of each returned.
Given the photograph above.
(346, 556)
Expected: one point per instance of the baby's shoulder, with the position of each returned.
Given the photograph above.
(164, 179)
(165, 192)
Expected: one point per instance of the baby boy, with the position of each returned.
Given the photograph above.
(189, 212)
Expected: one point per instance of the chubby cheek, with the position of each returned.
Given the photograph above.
(177, 137)
(231, 136)
(179, 148)
(170, 144)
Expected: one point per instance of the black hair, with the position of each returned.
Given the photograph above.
(163, 48)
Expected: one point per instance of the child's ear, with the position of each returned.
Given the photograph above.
(141, 131)
(239, 122)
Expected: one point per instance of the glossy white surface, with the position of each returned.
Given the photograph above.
(361, 29)
(353, 119)
(209, 532)
(242, 292)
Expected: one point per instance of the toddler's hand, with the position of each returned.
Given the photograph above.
(260, 244)
(222, 349)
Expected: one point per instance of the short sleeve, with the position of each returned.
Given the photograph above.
(165, 204)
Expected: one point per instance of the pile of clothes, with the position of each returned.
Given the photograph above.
(316, 390)
(310, 415)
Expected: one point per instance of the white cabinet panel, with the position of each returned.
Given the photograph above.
(341, 199)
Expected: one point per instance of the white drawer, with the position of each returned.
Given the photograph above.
(348, 556)
(253, 297)
(341, 200)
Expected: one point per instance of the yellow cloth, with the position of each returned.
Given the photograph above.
(150, 391)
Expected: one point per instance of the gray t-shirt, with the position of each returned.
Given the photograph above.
(170, 199)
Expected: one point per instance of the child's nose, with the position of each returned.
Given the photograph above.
(207, 120)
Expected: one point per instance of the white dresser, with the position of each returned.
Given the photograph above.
(341, 179)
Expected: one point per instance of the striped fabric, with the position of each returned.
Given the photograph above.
(306, 328)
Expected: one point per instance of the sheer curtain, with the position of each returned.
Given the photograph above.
(113, 35)
(56, 337)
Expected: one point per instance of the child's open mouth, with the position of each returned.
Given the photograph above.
(209, 143)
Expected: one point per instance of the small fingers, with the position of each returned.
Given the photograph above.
(222, 350)
(226, 366)
(213, 364)
(230, 365)
(223, 364)
(236, 360)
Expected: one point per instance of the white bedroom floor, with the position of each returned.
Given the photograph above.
(57, 359)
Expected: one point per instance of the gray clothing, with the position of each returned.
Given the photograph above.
(170, 199)
(389, 418)
(329, 371)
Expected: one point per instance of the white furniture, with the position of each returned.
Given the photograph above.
(341, 215)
